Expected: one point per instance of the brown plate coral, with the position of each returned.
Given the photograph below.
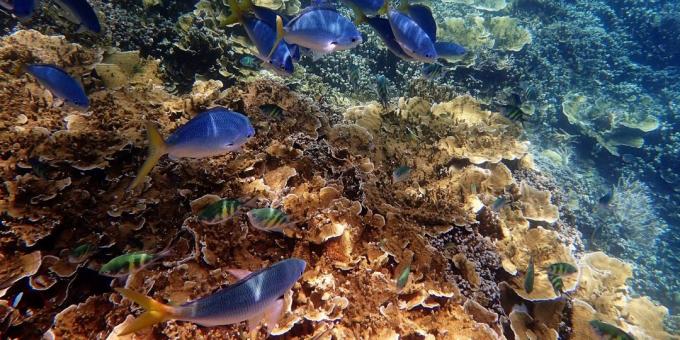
(65, 175)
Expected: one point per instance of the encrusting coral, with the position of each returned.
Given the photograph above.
(356, 229)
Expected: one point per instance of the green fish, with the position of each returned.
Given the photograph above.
(268, 219)
(219, 211)
(124, 265)
(556, 282)
(529, 278)
(403, 277)
(400, 173)
(81, 252)
(608, 331)
(499, 203)
(561, 268)
(272, 111)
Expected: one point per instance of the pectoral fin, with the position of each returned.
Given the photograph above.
(273, 314)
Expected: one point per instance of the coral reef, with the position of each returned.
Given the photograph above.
(327, 163)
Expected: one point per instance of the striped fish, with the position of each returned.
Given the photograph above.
(381, 89)
(556, 282)
(561, 268)
(126, 264)
(219, 211)
(608, 331)
(272, 111)
(529, 278)
(433, 71)
(268, 219)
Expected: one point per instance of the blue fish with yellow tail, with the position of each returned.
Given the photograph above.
(422, 15)
(275, 55)
(321, 29)
(80, 12)
(256, 296)
(211, 133)
(60, 83)
(415, 42)
(22, 9)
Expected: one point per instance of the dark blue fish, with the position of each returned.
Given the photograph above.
(81, 13)
(433, 71)
(384, 30)
(381, 88)
(369, 7)
(212, 132)
(321, 29)
(263, 36)
(22, 9)
(422, 15)
(248, 61)
(449, 49)
(60, 83)
(411, 37)
(256, 296)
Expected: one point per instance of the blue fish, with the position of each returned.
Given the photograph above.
(321, 29)
(422, 15)
(22, 9)
(384, 30)
(256, 296)
(369, 7)
(60, 83)
(263, 35)
(411, 37)
(212, 132)
(449, 49)
(81, 13)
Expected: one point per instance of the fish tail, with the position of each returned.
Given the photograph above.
(279, 35)
(157, 149)
(385, 7)
(235, 15)
(156, 312)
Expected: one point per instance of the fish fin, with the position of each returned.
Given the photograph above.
(234, 17)
(156, 312)
(272, 314)
(239, 273)
(81, 29)
(279, 35)
(254, 323)
(360, 16)
(157, 148)
(316, 55)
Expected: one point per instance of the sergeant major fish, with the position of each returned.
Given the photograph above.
(561, 268)
(381, 89)
(268, 219)
(126, 264)
(254, 297)
(219, 212)
(210, 133)
(60, 83)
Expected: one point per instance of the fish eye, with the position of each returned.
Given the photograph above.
(354, 39)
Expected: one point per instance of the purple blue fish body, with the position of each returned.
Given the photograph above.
(422, 15)
(256, 296)
(60, 83)
(382, 27)
(24, 9)
(211, 133)
(415, 42)
(323, 30)
(368, 7)
(247, 298)
(263, 35)
(449, 49)
(81, 13)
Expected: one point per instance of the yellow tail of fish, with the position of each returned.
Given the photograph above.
(235, 16)
(156, 312)
(385, 8)
(156, 150)
(279, 35)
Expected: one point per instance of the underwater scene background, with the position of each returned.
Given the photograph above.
(525, 186)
